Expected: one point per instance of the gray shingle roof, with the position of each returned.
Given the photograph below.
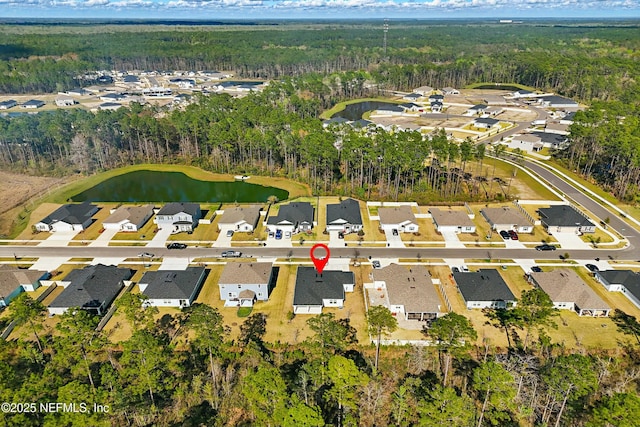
(409, 287)
(172, 284)
(564, 285)
(295, 212)
(241, 273)
(628, 278)
(563, 216)
(484, 285)
(312, 288)
(92, 286)
(487, 121)
(347, 210)
(177, 207)
(71, 213)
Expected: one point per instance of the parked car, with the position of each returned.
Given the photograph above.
(272, 234)
(340, 235)
(504, 235)
(176, 245)
(455, 269)
(145, 255)
(464, 268)
(376, 264)
(513, 235)
(287, 234)
(592, 268)
(278, 234)
(394, 232)
(545, 247)
(536, 269)
(231, 254)
(229, 233)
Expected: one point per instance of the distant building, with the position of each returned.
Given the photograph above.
(10, 103)
(485, 123)
(65, 101)
(32, 104)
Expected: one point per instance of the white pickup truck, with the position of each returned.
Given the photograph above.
(231, 254)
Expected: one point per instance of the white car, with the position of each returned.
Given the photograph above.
(464, 268)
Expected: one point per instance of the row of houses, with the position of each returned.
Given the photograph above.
(31, 104)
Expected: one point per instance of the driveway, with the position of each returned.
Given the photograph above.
(59, 238)
(160, 239)
(48, 263)
(334, 241)
(393, 241)
(104, 238)
(451, 240)
(174, 263)
(223, 241)
(514, 244)
(571, 241)
(525, 264)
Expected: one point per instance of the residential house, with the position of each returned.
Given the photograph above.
(184, 83)
(10, 103)
(436, 98)
(493, 111)
(625, 281)
(569, 292)
(484, 289)
(70, 217)
(506, 218)
(554, 101)
(423, 90)
(172, 288)
(112, 97)
(390, 110)
(477, 109)
(159, 92)
(449, 91)
(244, 283)
(295, 217)
(179, 216)
(522, 93)
(494, 100)
(92, 288)
(565, 218)
(551, 140)
(32, 104)
(399, 218)
(452, 221)
(485, 123)
(412, 97)
(344, 216)
(128, 218)
(436, 107)
(14, 281)
(313, 291)
(557, 128)
(240, 218)
(109, 106)
(526, 142)
(65, 101)
(410, 291)
(568, 118)
(411, 107)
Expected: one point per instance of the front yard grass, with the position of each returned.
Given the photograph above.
(148, 230)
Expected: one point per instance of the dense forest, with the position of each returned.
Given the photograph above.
(579, 60)
(185, 370)
(274, 133)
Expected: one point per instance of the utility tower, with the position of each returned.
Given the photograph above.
(384, 40)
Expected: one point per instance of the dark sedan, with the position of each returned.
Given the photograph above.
(546, 248)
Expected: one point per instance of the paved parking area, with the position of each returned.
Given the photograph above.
(59, 239)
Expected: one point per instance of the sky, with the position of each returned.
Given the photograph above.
(320, 9)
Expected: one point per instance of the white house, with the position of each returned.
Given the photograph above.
(314, 291)
(70, 217)
(172, 288)
(399, 218)
(244, 283)
(410, 291)
(240, 218)
(506, 218)
(65, 101)
(526, 142)
(179, 216)
(452, 221)
(625, 281)
(569, 292)
(128, 218)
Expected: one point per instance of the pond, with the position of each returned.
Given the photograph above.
(355, 111)
(498, 86)
(153, 186)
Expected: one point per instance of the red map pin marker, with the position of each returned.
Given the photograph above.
(320, 263)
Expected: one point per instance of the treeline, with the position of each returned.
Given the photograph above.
(586, 62)
(605, 146)
(184, 369)
(274, 133)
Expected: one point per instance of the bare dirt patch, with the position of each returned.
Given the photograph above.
(19, 190)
